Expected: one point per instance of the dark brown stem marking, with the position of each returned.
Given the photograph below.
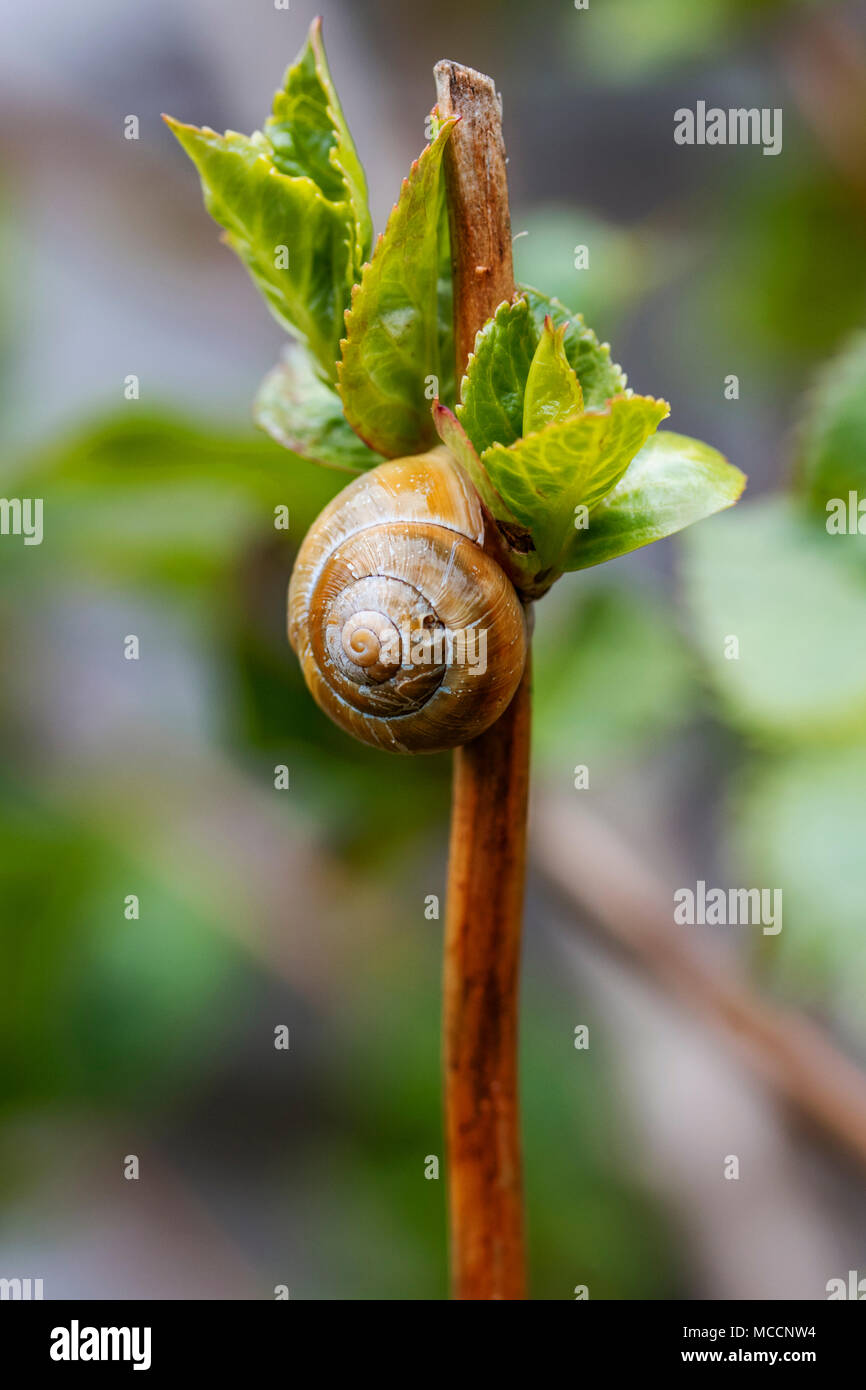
(491, 780)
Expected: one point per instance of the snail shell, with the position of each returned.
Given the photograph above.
(409, 634)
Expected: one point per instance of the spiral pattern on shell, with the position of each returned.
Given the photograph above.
(410, 634)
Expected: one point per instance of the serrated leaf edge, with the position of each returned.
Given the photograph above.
(443, 134)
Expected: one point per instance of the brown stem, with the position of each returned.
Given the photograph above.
(491, 780)
(482, 965)
(478, 211)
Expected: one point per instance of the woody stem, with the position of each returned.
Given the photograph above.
(491, 779)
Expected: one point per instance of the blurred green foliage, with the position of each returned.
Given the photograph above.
(779, 585)
(632, 40)
(763, 274)
(612, 673)
(95, 1012)
(86, 1016)
(795, 597)
(153, 501)
(624, 263)
(105, 1013)
(799, 822)
(832, 456)
(796, 238)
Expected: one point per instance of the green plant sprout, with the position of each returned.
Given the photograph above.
(421, 349)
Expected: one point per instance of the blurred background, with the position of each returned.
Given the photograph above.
(305, 907)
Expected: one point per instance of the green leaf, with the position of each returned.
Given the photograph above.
(552, 389)
(293, 202)
(673, 482)
(392, 342)
(309, 136)
(455, 438)
(304, 415)
(493, 389)
(600, 378)
(544, 477)
(833, 450)
(445, 305)
(264, 210)
(783, 588)
(516, 553)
